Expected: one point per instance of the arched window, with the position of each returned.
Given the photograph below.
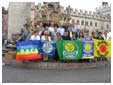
(82, 22)
(77, 22)
(91, 24)
(86, 23)
(96, 24)
(107, 26)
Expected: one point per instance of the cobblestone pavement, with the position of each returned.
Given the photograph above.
(13, 74)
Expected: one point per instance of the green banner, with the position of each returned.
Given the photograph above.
(69, 50)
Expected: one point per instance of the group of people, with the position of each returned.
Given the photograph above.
(54, 33)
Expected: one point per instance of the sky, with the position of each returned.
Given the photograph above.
(88, 5)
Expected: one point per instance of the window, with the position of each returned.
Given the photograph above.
(91, 23)
(77, 22)
(96, 24)
(82, 22)
(73, 21)
(86, 23)
(107, 26)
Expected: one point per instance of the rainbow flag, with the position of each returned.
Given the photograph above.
(28, 50)
(102, 48)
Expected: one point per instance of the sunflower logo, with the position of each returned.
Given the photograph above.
(69, 47)
(87, 47)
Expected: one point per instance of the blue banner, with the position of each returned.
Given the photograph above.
(48, 48)
(87, 49)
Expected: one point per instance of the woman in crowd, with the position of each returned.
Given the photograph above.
(81, 36)
(46, 36)
(58, 36)
(74, 36)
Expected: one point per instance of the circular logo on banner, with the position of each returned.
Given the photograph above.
(69, 47)
(87, 47)
(47, 47)
(102, 48)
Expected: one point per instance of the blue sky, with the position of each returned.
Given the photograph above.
(88, 5)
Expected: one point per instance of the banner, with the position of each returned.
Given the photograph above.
(87, 50)
(59, 45)
(102, 48)
(48, 48)
(28, 50)
(69, 50)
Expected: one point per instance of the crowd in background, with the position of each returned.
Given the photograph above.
(54, 33)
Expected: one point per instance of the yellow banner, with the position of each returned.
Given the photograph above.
(102, 48)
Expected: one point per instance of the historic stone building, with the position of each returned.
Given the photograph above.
(91, 21)
(19, 13)
(4, 22)
(27, 12)
(105, 9)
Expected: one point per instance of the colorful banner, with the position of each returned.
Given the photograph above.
(28, 50)
(48, 48)
(87, 50)
(69, 50)
(102, 48)
(59, 45)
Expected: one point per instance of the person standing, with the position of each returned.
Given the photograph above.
(81, 36)
(35, 36)
(70, 32)
(105, 35)
(66, 36)
(74, 36)
(74, 29)
(93, 36)
(61, 30)
(52, 30)
(58, 36)
(46, 36)
(101, 38)
(87, 37)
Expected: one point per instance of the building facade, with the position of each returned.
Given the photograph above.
(92, 21)
(104, 10)
(28, 12)
(4, 22)
(19, 13)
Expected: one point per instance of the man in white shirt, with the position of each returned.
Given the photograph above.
(109, 36)
(61, 30)
(105, 35)
(52, 31)
(35, 36)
